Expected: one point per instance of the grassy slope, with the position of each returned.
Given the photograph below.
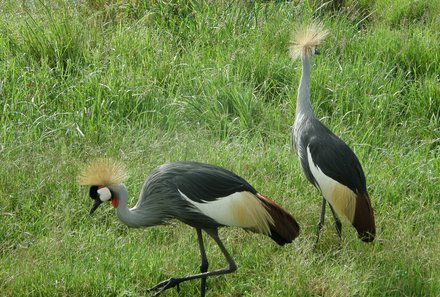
(151, 84)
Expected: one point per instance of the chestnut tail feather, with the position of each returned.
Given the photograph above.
(363, 219)
(286, 228)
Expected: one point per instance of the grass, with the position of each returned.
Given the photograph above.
(149, 82)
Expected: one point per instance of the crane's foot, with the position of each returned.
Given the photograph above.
(165, 285)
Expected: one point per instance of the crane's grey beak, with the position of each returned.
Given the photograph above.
(95, 205)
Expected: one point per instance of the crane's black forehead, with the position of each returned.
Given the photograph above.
(93, 192)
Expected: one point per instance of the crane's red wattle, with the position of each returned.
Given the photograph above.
(115, 202)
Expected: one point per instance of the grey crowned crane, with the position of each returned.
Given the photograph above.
(203, 196)
(328, 163)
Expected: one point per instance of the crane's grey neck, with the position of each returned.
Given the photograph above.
(303, 104)
(133, 217)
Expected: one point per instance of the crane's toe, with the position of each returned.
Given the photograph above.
(164, 285)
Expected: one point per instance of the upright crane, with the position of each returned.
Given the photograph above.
(203, 196)
(328, 163)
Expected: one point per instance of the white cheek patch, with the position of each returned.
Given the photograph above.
(104, 194)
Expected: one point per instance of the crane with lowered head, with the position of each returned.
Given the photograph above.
(328, 163)
(201, 195)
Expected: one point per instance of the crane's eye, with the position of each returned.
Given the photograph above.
(104, 194)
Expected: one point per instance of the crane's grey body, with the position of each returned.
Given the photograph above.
(161, 196)
(330, 153)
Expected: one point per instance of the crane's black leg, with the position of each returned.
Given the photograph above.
(174, 281)
(204, 262)
(231, 263)
(337, 223)
(321, 221)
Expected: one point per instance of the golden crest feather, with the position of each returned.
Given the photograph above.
(103, 172)
(303, 40)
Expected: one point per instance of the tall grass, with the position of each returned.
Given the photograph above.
(150, 82)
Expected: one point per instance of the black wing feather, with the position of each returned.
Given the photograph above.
(204, 182)
(332, 156)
